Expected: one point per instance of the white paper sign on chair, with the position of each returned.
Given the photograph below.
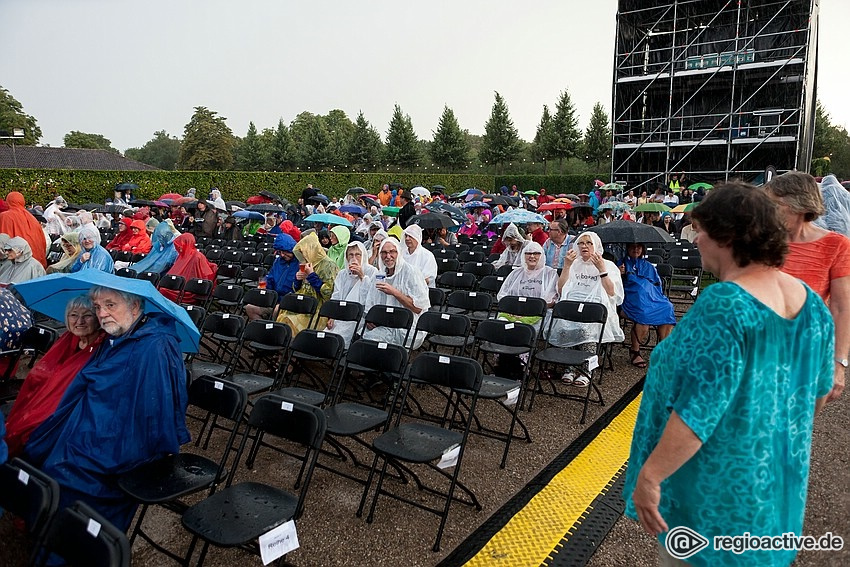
(278, 542)
(449, 458)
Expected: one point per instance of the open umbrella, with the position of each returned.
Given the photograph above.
(231, 204)
(253, 215)
(420, 191)
(684, 208)
(571, 196)
(370, 201)
(476, 205)
(598, 183)
(438, 189)
(353, 209)
(518, 216)
(107, 209)
(356, 191)
(700, 185)
(554, 206)
(467, 192)
(616, 206)
(126, 187)
(532, 192)
(433, 220)
(143, 203)
(270, 195)
(652, 208)
(86, 206)
(628, 232)
(162, 203)
(323, 199)
(328, 218)
(265, 208)
(50, 294)
(615, 187)
(453, 212)
(171, 196)
(499, 200)
(390, 211)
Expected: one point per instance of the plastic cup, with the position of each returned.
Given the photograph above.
(302, 267)
(261, 283)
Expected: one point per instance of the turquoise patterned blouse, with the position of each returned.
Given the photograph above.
(745, 381)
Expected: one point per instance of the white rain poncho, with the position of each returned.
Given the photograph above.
(24, 267)
(511, 257)
(836, 201)
(407, 279)
(421, 258)
(523, 282)
(348, 287)
(583, 284)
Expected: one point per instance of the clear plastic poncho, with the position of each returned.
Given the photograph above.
(583, 284)
(407, 279)
(511, 257)
(836, 200)
(421, 258)
(348, 287)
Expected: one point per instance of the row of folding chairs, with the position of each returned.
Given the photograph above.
(77, 534)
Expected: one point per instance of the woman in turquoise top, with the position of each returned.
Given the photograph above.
(722, 440)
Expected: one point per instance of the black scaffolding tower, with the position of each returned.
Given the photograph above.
(712, 89)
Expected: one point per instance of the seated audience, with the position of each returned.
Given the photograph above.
(190, 264)
(281, 276)
(93, 256)
(350, 285)
(514, 242)
(315, 278)
(71, 250)
(21, 266)
(162, 254)
(416, 255)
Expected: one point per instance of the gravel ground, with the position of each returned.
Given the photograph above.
(331, 534)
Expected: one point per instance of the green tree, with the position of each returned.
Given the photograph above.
(249, 156)
(567, 134)
(597, 137)
(364, 150)
(402, 145)
(161, 151)
(12, 116)
(314, 151)
(450, 148)
(75, 139)
(279, 148)
(501, 143)
(544, 139)
(208, 142)
(341, 130)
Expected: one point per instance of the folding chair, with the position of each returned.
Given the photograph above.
(300, 305)
(231, 257)
(81, 536)
(227, 273)
(37, 339)
(686, 279)
(343, 311)
(520, 306)
(437, 298)
(262, 341)
(512, 339)
(214, 255)
(250, 275)
(263, 298)
(474, 304)
(165, 481)
(252, 258)
(418, 443)
(200, 289)
(173, 283)
(202, 241)
(393, 318)
(441, 253)
(471, 256)
(126, 273)
(479, 269)
(30, 494)
(310, 348)
(448, 330)
(221, 339)
(491, 284)
(447, 265)
(152, 277)
(137, 258)
(457, 280)
(503, 271)
(580, 361)
(259, 507)
(197, 314)
(226, 297)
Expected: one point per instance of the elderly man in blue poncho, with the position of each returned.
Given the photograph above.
(117, 413)
(281, 276)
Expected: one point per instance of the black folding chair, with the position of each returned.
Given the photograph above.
(457, 281)
(343, 311)
(448, 330)
(447, 265)
(81, 536)
(221, 340)
(263, 298)
(200, 289)
(491, 284)
(226, 297)
(30, 494)
(173, 283)
(417, 443)
(166, 481)
(126, 273)
(152, 277)
(300, 305)
(262, 341)
(197, 314)
(259, 507)
(308, 349)
(479, 269)
(227, 273)
(393, 318)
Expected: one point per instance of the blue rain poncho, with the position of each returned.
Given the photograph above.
(644, 301)
(162, 254)
(125, 408)
(281, 276)
(99, 258)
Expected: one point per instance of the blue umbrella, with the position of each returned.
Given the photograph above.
(328, 218)
(253, 215)
(466, 192)
(476, 205)
(50, 294)
(518, 216)
(353, 209)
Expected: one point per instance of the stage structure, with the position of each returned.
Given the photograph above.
(714, 89)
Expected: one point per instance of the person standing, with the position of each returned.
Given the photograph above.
(407, 211)
(723, 435)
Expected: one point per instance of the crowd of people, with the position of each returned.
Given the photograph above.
(760, 347)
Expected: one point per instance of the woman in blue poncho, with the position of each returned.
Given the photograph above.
(162, 254)
(93, 255)
(644, 302)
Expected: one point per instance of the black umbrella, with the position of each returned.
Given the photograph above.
(440, 188)
(231, 204)
(395, 185)
(453, 212)
(356, 191)
(628, 232)
(370, 201)
(189, 205)
(319, 199)
(108, 209)
(270, 195)
(495, 200)
(265, 208)
(126, 187)
(433, 220)
(83, 207)
(143, 203)
(38, 216)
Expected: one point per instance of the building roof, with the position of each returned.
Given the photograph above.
(33, 157)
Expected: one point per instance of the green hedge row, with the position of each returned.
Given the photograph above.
(554, 184)
(39, 186)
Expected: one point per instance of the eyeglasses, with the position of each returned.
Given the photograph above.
(532, 253)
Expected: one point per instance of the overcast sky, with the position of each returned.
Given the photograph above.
(126, 69)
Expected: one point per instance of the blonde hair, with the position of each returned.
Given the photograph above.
(800, 192)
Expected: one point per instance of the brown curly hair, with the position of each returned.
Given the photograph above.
(740, 216)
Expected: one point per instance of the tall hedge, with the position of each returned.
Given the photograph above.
(554, 184)
(40, 185)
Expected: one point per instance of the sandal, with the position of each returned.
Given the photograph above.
(635, 355)
(581, 382)
(568, 379)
